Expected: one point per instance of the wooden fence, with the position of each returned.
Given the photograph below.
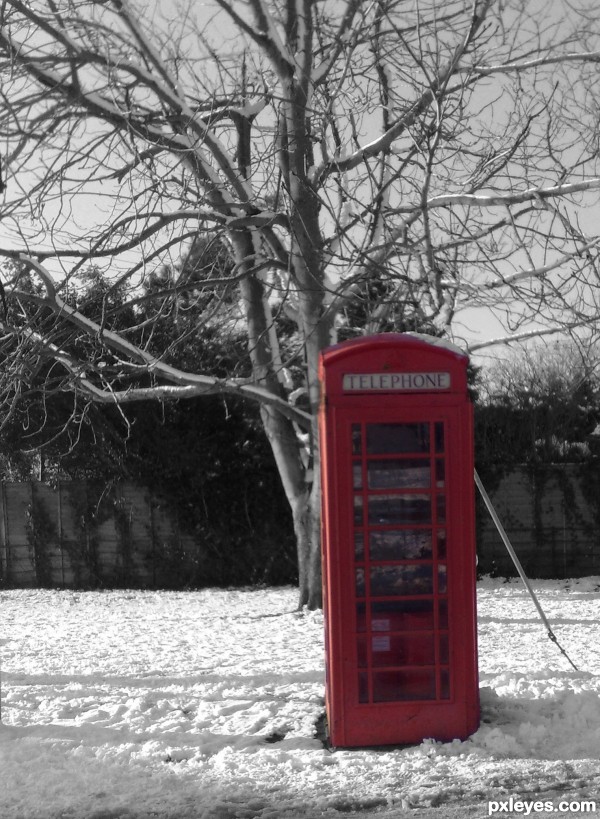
(551, 514)
(85, 536)
(80, 535)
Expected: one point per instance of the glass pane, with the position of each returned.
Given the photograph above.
(440, 473)
(442, 579)
(357, 476)
(390, 439)
(444, 684)
(361, 647)
(400, 544)
(363, 686)
(443, 614)
(409, 473)
(356, 439)
(358, 510)
(385, 509)
(408, 649)
(401, 580)
(441, 509)
(359, 546)
(405, 615)
(439, 437)
(444, 655)
(404, 685)
(361, 617)
(441, 544)
(360, 582)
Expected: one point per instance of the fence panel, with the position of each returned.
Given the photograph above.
(552, 524)
(78, 535)
(83, 536)
(20, 568)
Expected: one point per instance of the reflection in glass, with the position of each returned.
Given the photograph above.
(360, 582)
(385, 439)
(358, 510)
(386, 509)
(439, 437)
(410, 684)
(401, 580)
(443, 614)
(363, 686)
(357, 475)
(359, 546)
(356, 439)
(403, 615)
(400, 544)
(409, 473)
(441, 509)
(361, 624)
(405, 649)
(440, 473)
(444, 684)
(442, 579)
(441, 544)
(361, 649)
(444, 654)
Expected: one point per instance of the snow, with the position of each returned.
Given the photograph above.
(130, 705)
(435, 341)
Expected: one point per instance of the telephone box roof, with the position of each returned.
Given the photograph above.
(417, 341)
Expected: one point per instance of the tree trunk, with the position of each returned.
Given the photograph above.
(305, 503)
(304, 498)
(306, 513)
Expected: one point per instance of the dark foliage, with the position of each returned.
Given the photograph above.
(539, 407)
(207, 458)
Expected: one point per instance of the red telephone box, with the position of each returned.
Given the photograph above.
(398, 541)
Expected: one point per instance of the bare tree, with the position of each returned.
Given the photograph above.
(396, 160)
(539, 405)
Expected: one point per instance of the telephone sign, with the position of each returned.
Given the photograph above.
(392, 382)
(398, 541)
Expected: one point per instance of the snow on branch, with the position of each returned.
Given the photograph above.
(383, 142)
(521, 275)
(517, 338)
(492, 200)
(526, 65)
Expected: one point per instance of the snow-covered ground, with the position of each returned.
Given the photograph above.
(204, 704)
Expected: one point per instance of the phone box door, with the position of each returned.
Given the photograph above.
(398, 542)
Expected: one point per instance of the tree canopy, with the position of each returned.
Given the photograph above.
(206, 461)
(539, 405)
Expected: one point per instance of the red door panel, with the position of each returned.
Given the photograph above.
(399, 558)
